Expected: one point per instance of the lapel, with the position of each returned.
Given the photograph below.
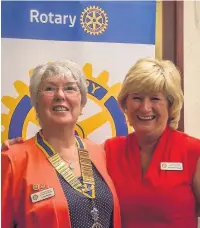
(58, 202)
(97, 156)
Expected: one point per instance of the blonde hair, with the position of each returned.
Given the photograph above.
(150, 75)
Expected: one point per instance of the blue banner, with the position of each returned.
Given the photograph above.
(118, 22)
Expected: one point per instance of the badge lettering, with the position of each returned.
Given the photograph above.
(171, 166)
(44, 194)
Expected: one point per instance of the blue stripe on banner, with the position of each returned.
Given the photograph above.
(120, 125)
(126, 22)
(18, 117)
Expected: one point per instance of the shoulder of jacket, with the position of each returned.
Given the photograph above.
(19, 150)
(190, 140)
(90, 145)
(191, 143)
(95, 150)
(118, 140)
(90, 142)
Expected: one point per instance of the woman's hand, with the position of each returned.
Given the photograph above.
(6, 144)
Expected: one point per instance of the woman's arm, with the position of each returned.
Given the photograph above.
(196, 184)
(7, 213)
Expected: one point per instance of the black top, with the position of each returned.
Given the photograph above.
(80, 206)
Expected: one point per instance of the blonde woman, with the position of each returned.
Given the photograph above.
(156, 169)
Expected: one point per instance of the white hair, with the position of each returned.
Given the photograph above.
(60, 68)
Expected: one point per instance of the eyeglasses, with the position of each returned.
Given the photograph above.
(51, 90)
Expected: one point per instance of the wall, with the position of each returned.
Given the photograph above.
(192, 67)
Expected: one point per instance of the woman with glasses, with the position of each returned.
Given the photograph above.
(56, 179)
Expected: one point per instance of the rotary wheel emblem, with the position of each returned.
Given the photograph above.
(94, 20)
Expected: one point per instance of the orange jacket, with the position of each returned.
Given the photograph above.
(25, 165)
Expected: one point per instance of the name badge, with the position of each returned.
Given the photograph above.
(38, 196)
(171, 166)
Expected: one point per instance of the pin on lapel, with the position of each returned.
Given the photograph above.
(35, 187)
(38, 187)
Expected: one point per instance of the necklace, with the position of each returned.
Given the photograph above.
(71, 164)
(87, 188)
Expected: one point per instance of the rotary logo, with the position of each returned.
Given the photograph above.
(21, 115)
(94, 20)
(164, 165)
